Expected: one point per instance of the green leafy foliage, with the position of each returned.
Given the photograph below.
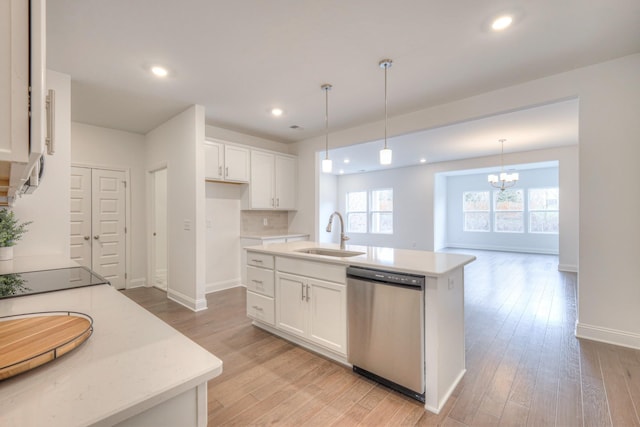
(11, 284)
(10, 229)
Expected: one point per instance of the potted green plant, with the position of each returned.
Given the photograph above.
(11, 230)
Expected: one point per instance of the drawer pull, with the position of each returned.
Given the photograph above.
(258, 308)
(256, 260)
(259, 282)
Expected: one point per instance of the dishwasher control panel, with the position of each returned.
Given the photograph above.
(385, 276)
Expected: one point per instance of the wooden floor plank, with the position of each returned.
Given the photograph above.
(524, 364)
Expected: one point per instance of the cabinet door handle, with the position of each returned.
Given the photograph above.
(302, 291)
(308, 293)
(87, 237)
(256, 281)
(226, 172)
(96, 237)
(219, 170)
(50, 139)
(278, 202)
(272, 203)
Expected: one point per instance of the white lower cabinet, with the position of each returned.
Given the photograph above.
(260, 288)
(312, 309)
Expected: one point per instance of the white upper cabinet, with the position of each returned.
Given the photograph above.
(273, 181)
(226, 162)
(22, 92)
(23, 61)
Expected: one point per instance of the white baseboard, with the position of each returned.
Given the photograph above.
(222, 285)
(446, 396)
(137, 283)
(190, 303)
(568, 268)
(502, 249)
(609, 336)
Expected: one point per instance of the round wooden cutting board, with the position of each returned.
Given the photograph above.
(31, 340)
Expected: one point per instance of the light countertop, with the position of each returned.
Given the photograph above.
(401, 260)
(132, 362)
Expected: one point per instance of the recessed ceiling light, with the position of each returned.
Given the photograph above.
(159, 71)
(277, 112)
(423, 160)
(347, 161)
(341, 171)
(502, 22)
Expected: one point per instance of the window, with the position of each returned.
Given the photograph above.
(357, 212)
(509, 211)
(370, 211)
(544, 210)
(382, 211)
(475, 205)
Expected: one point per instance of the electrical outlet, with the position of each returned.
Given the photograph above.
(187, 225)
(451, 282)
(265, 221)
(209, 223)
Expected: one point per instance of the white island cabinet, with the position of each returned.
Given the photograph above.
(134, 370)
(311, 307)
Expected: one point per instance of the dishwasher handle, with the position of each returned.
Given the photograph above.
(386, 277)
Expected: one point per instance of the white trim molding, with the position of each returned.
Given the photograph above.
(568, 268)
(609, 336)
(137, 283)
(190, 303)
(222, 285)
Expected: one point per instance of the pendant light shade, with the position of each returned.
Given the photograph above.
(385, 154)
(327, 164)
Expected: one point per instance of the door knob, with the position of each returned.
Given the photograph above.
(96, 237)
(87, 237)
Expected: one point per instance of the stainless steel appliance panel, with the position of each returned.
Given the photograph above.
(386, 330)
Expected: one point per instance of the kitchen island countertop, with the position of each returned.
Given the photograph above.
(133, 362)
(425, 263)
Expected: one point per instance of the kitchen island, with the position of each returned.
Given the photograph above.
(297, 290)
(135, 370)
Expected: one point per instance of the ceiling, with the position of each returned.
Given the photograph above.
(241, 58)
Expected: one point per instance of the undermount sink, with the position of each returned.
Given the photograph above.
(329, 252)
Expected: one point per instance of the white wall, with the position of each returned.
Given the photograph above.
(609, 130)
(177, 144)
(222, 217)
(109, 148)
(49, 205)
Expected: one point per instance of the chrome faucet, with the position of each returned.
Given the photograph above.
(343, 238)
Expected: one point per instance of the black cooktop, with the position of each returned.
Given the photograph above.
(37, 282)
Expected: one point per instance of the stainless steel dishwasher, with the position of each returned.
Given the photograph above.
(386, 328)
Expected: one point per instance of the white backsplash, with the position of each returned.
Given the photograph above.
(254, 222)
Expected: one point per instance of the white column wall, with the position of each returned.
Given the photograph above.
(177, 144)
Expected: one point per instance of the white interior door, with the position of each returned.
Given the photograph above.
(98, 222)
(81, 216)
(108, 225)
(159, 247)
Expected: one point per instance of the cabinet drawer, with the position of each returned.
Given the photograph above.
(261, 308)
(260, 280)
(320, 270)
(259, 260)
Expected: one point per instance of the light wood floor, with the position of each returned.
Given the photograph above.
(524, 364)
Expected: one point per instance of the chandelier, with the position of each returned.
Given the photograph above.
(504, 180)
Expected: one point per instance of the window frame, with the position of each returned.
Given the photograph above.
(497, 211)
(372, 212)
(547, 210)
(475, 211)
(368, 213)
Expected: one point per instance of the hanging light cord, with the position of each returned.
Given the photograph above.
(502, 156)
(386, 66)
(326, 120)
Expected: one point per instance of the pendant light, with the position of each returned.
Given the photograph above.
(505, 180)
(385, 153)
(327, 165)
